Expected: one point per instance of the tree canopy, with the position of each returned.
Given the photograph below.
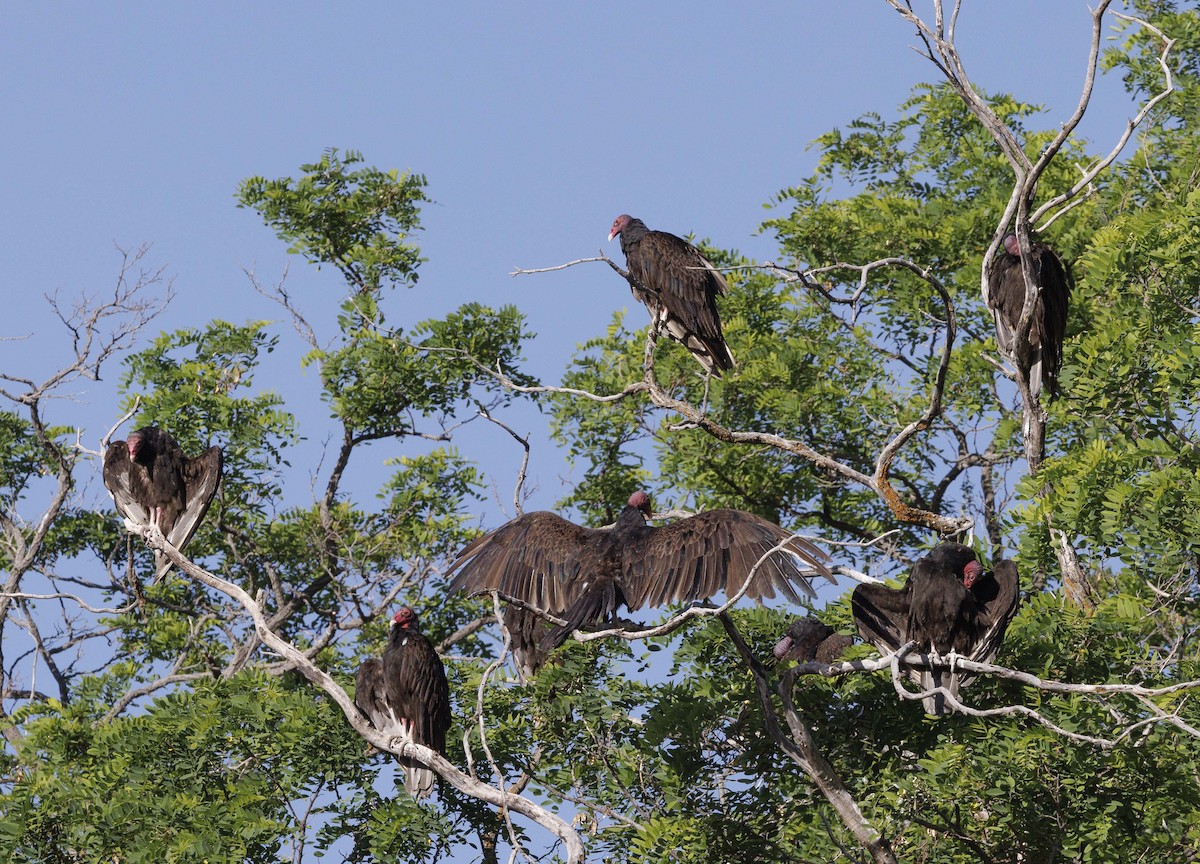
(206, 716)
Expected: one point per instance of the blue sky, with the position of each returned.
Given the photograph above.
(535, 124)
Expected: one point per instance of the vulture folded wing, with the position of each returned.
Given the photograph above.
(1056, 295)
(200, 477)
(1006, 297)
(369, 694)
(881, 615)
(118, 479)
(535, 559)
(687, 285)
(418, 690)
(694, 558)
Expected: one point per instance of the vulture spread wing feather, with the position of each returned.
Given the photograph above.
(120, 482)
(1048, 328)
(694, 558)
(405, 695)
(584, 575)
(536, 558)
(150, 477)
(200, 478)
(679, 288)
(881, 615)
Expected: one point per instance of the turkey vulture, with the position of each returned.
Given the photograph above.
(583, 575)
(808, 639)
(949, 604)
(149, 476)
(679, 287)
(1006, 297)
(405, 695)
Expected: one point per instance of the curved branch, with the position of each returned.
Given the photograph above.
(426, 756)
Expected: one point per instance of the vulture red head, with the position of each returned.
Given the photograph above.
(404, 618)
(971, 572)
(619, 225)
(1011, 246)
(639, 500)
(134, 444)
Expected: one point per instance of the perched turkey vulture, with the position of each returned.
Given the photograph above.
(808, 639)
(1006, 297)
(949, 604)
(583, 575)
(405, 695)
(679, 286)
(150, 476)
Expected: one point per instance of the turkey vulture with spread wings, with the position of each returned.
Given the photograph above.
(679, 287)
(582, 575)
(149, 476)
(949, 604)
(1048, 328)
(405, 695)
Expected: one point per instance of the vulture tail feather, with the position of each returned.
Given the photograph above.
(600, 600)
(935, 703)
(418, 779)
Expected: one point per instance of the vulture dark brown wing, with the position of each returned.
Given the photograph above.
(118, 477)
(687, 285)
(694, 558)
(998, 594)
(536, 558)
(369, 694)
(1006, 297)
(881, 615)
(417, 691)
(200, 477)
(1056, 296)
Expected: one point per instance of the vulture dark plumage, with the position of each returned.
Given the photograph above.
(405, 695)
(1048, 328)
(949, 604)
(808, 639)
(583, 575)
(149, 476)
(679, 287)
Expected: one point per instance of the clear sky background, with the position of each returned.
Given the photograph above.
(535, 123)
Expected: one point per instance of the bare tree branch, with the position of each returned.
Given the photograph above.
(426, 756)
